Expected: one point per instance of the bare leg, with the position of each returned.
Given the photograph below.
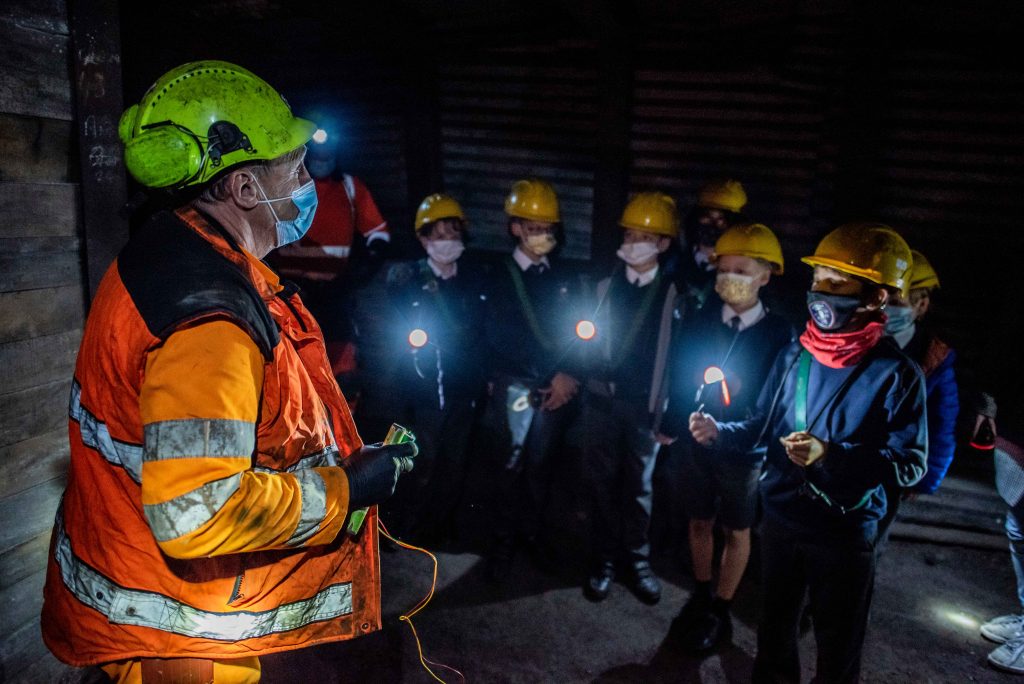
(734, 562)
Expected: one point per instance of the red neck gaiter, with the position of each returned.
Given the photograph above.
(842, 350)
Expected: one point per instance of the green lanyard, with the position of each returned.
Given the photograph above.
(800, 408)
(638, 319)
(800, 425)
(527, 307)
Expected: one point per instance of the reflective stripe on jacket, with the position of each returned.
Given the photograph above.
(204, 503)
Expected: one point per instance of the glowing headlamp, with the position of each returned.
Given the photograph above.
(320, 136)
(585, 330)
(418, 338)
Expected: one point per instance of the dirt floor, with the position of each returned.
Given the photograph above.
(538, 627)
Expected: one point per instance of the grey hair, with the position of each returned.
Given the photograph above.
(218, 190)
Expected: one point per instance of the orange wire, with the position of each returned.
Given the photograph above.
(407, 617)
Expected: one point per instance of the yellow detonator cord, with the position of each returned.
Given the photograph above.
(407, 618)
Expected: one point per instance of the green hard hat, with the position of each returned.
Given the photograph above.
(202, 118)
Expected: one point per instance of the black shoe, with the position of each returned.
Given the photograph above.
(643, 583)
(599, 582)
(693, 611)
(708, 632)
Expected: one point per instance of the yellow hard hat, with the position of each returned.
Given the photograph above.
(754, 240)
(728, 195)
(651, 212)
(921, 273)
(533, 199)
(436, 207)
(872, 251)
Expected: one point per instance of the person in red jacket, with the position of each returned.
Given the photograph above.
(322, 264)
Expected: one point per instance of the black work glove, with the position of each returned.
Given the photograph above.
(373, 472)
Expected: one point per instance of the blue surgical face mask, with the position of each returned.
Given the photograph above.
(292, 230)
(900, 318)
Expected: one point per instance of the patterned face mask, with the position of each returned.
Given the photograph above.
(735, 288)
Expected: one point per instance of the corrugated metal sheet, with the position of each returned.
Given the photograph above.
(952, 169)
(515, 113)
(702, 110)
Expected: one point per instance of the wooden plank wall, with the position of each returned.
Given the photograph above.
(41, 314)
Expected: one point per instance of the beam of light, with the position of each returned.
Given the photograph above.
(713, 374)
(320, 136)
(957, 618)
(961, 619)
(586, 330)
(418, 338)
(725, 392)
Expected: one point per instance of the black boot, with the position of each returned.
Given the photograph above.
(710, 630)
(599, 582)
(642, 582)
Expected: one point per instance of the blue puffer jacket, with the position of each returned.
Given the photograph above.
(936, 360)
(873, 418)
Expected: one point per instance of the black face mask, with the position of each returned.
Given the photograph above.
(831, 312)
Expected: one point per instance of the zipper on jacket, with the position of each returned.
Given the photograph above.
(236, 592)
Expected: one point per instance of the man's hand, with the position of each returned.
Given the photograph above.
(803, 448)
(562, 389)
(703, 428)
(373, 472)
(663, 439)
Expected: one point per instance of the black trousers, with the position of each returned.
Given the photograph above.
(524, 476)
(840, 576)
(618, 467)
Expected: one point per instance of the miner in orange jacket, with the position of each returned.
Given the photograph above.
(214, 461)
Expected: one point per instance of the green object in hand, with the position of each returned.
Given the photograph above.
(396, 435)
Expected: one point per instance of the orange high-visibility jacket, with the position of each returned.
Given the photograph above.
(204, 504)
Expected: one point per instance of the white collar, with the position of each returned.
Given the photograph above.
(641, 279)
(903, 337)
(747, 318)
(525, 262)
(437, 271)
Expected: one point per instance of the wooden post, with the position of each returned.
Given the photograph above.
(96, 63)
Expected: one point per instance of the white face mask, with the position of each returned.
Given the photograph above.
(735, 288)
(541, 244)
(445, 251)
(635, 253)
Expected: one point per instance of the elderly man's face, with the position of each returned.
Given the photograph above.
(277, 183)
(280, 181)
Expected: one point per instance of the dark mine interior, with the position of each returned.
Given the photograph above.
(645, 190)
